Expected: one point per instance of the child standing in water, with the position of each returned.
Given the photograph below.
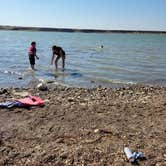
(32, 54)
(59, 53)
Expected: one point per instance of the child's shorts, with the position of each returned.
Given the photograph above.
(32, 59)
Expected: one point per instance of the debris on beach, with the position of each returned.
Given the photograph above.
(24, 102)
(42, 87)
(3, 91)
(20, 78)
(133, 157)
(80, 126)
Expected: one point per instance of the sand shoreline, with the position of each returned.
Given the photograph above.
(79, 126)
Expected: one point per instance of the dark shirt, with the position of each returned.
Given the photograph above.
(58, 51)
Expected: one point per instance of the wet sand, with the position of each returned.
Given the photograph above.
(84, 127)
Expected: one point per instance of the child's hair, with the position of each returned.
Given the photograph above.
(54, 47)
(33, 43)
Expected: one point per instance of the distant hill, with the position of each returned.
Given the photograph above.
(20, 28)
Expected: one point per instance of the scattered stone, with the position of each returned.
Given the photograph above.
(91, 141)
(83, 126)
(97, 131)
(70, 99)
(22, 94)
(164, 155)
(3, 91)
(46, 101)
(60, 140)
(49, 81)
(33, 83)
(13, 154)
(25, 155)
(103, 131)
(64, 155)
(42, 87)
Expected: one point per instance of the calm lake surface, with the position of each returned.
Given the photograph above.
(125, 58)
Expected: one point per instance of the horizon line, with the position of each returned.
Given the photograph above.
(85, 30)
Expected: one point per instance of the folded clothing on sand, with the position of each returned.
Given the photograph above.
(31, 101)
(25, 102)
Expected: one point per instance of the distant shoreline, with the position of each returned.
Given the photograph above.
(20, 28)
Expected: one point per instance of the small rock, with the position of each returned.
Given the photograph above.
(25, 155)
(70, 99)
(46, 101)
(42, 87)
(103, 131)
(3, 149)
(130, 92)
(49, 81)
(99, 87)
(64, 155)
(121, 93)
(13, 154)
(97, 131)
(60, 140)
(22, 94)
(3, 91)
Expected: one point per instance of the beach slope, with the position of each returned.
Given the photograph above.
(84, 127)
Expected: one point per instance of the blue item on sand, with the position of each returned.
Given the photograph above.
(11, 104)
(137, 155)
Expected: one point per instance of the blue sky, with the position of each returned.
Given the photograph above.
(95, 14)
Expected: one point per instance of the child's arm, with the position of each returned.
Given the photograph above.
(52, 59)
(36, 56)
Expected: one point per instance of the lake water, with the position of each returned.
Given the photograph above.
(125, 58)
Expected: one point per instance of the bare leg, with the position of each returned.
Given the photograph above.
(63, 62)
(32, 67)
(56, 62)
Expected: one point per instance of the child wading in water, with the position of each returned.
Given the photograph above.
(59, 53)
(32, 55)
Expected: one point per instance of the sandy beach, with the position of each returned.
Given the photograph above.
(84, 127)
